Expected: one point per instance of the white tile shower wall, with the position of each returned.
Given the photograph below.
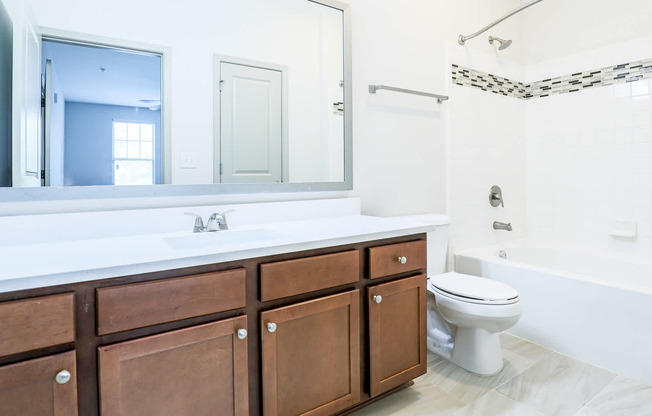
(589, 158)
(486, 147)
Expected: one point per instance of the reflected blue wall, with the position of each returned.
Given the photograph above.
(88, 141)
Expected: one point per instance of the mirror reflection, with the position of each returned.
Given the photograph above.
(157, 92)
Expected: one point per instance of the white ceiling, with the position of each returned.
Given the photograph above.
(127, 77)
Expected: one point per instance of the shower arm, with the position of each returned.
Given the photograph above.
(462, 39)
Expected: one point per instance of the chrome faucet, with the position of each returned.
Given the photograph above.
(219, 220)
(502, 226)
(216, 222)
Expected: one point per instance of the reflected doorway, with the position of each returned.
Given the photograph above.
(101, 115)
(252, 137)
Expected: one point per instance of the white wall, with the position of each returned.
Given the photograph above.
(557, 28)
(400, 140)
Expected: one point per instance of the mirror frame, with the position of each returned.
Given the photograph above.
(170, 190)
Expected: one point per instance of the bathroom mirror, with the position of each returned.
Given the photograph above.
(207, 49)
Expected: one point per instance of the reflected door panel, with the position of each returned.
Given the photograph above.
(32, 106)
(251, 124)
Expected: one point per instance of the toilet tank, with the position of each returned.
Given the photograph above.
(437, 246)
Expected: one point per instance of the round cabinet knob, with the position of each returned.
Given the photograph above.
(402, 260)
(378, 298)
(242, 333)
(271, 327)
(62, 377)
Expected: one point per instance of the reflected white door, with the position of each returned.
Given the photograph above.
(32, 115)
(45, 162)
(251, 124)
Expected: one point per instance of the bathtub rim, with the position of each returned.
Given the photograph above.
(489, 253)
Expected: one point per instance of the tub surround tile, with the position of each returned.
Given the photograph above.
(557, 385)
(621, 76)
(622, 397)
(487, 82)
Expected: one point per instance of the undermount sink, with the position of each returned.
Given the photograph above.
(208, 239)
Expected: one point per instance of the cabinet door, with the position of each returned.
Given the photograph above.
(40, 387)
(397, 332)
(311, 356)
(194, 371)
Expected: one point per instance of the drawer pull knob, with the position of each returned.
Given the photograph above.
(62, 377)
(378, 298)
(402, 260)
(271, 327)
(242, 333)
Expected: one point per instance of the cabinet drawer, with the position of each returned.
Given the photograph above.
(35, 323)
(138, 305)
(385, 260)
(293, 277)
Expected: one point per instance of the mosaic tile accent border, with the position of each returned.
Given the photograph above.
(487, 82)
(610, 75)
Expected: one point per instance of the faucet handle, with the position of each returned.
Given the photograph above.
(199, 223)
(496, 196)
(222, 222)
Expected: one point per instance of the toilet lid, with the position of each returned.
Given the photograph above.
(473, 287)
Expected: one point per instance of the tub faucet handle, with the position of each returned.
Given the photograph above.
(496, 196)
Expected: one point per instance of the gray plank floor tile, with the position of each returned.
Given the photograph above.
(557, 385)
(622, 397)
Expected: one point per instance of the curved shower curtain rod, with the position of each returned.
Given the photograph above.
(462, 39)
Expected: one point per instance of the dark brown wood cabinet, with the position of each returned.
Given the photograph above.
(30, 388)
(199, 370)
(172, 342)
(397, 332)
(311, 356)
(37, 322)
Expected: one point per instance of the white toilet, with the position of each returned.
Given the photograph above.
(479, 309)
(465, 313)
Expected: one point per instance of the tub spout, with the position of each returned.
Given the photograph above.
(502, 226)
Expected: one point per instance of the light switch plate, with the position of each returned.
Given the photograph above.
(188, 160)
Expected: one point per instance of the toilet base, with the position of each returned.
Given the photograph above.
(478, 351)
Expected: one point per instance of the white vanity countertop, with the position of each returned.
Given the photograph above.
(28, 266)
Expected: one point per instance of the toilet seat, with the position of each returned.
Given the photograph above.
(472, 289)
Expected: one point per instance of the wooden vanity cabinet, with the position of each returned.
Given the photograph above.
(201, 370)
(397, 332)
(311, 356)
(40, 387)
(174, 342)
(33, 327)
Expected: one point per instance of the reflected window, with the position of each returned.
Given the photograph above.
(133, 153)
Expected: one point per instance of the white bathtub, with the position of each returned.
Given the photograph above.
(593, 307)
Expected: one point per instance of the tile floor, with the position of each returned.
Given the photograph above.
(535, 381)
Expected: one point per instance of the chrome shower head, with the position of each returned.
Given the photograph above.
(504, 44)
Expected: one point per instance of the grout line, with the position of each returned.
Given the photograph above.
(597, 394)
